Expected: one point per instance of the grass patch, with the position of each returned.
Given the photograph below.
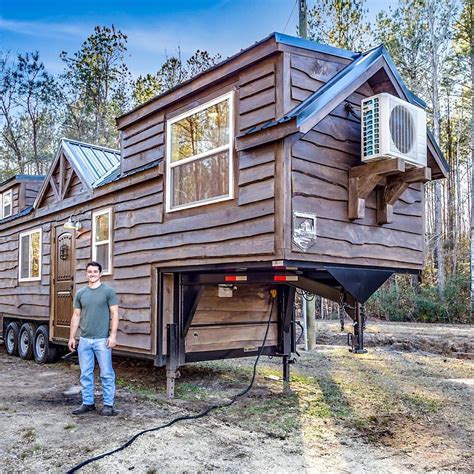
(139, 389)
(189, 391)
(30, 451)
(69, 426)
(421, 403)
(29, 434)
(277, 415)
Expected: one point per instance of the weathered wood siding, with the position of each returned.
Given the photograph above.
(31, 300)
(30, 190)
(16, 199)
(23, 299)
(308, 73)
(232, 323)
(320, 163)
(143, 142)
(256, 95)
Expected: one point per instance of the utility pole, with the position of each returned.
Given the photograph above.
(302, 29)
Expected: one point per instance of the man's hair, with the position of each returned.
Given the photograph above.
(94, 264)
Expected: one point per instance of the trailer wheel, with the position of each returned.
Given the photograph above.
(43, 351)
(25, 341)
(11, 338)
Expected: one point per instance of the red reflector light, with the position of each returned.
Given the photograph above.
(235, 278)
(285, 278)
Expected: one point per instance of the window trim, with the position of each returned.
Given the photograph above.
(103, 242)
(10, 192)
(20, 254)
(230, 146)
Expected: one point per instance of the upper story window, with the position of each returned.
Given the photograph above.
(6, 204)
(30, 255)
(199, 155)
(102, 239)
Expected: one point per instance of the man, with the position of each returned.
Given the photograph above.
(96, 313)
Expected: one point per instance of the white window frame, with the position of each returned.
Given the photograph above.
(230, 147)
(103, 242)
(1, 206)
(10, 192)
(20, 254)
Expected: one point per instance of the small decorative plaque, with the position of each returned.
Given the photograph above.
(304, 229)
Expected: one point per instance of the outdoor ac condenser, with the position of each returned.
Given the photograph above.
(393, 128)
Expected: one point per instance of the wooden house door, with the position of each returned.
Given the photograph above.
(63, 288)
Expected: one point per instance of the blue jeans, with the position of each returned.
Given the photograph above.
(87, 349)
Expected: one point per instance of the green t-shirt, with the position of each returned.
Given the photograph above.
(94, 304)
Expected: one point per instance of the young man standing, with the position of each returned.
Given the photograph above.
(96, 313)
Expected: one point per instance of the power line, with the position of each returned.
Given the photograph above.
(291, 14)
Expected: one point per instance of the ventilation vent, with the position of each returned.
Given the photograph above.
(393, 128)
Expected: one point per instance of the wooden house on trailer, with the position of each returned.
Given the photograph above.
(289, 165)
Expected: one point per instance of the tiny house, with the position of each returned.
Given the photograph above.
(289, 165)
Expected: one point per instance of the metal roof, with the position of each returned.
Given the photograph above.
(23, 177)
(338, 83)
(92, 161)
(279, 38)
(115, 175)
(22, 213)
(313, 46)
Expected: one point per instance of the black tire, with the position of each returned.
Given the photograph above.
(43, 351)
(11, 338)
(25, 341)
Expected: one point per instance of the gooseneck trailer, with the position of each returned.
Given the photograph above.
(291, 165)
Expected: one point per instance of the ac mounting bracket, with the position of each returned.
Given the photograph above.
(391, 180)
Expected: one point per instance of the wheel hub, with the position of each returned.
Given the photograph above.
(40, 345)
(10, 340)
(24, 342)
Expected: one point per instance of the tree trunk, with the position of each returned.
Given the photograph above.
(438, 214)
(472, 167)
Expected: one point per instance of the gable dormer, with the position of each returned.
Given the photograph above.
(76, 169)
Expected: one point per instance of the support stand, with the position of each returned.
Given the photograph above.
(286, 374)
(172, 362)
(358, 337)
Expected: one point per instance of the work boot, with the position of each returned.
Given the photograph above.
(108, 410)
(83, 409)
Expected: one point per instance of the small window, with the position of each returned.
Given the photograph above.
(7, 207)
(30, 255)
(199, 155)
(101, 239)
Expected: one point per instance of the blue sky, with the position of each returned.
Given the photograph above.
(154, 28)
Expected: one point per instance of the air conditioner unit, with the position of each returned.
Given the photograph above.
(393, 128)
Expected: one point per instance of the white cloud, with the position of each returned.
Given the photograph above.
(45, 29)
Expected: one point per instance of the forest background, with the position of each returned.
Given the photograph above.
(430, 41)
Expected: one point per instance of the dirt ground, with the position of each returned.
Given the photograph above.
(390, 410)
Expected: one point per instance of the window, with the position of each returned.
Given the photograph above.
(101, 239)
(199, 155)
(30, 255)
(6, 206)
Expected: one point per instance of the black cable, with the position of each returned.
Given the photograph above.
(187, 417)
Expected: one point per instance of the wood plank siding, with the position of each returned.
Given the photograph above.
(232, 323)
(320, 161)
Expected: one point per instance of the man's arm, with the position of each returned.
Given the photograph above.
(114, 322)
(76, 317)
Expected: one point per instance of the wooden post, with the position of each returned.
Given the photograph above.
(303, 28)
